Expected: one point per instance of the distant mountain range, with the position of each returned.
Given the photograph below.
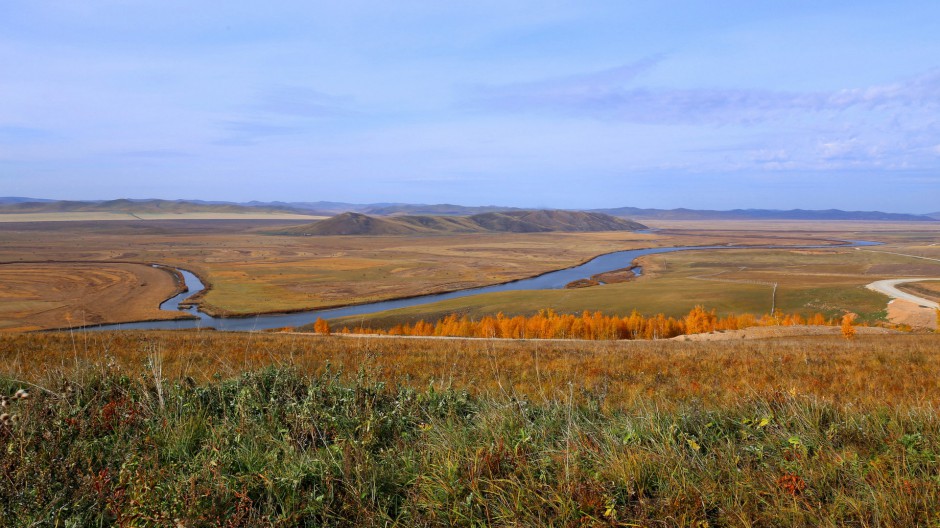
(763, 214)
(539, 221)
(324, 208)
(20, 205)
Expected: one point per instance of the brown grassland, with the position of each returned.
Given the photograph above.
(733, 281)
(901, 371)
(49, 295)
(205, 428)
(249, 271)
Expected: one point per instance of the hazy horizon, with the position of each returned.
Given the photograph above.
(535, 104)
(327, 201)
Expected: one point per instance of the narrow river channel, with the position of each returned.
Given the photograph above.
(549, 281)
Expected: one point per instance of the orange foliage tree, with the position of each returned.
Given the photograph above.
(848, 331)
(547, 324)
(320, 326)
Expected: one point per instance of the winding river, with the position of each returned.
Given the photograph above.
(552, 280)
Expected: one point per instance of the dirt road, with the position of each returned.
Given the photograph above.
(889, 288)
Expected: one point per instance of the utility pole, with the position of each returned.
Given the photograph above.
(773, 300)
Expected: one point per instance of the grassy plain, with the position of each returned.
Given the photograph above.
(251, 272)
(829, 281)
(202, 428)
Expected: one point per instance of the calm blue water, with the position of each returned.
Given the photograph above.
(549, 281)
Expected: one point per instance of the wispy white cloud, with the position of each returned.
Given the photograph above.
(283, 110)
(612, 95)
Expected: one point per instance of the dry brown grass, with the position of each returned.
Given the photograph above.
(863, 371)
(250, 272)
(42, 295)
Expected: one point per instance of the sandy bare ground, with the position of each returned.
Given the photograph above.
(889, 288)
(907, 308)
(911, 314)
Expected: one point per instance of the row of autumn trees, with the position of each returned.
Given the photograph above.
(550, 325)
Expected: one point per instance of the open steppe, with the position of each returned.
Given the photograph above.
(759, 427)
(251, 271)
(826, 280)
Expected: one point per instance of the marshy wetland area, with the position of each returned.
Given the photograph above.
(777, 425)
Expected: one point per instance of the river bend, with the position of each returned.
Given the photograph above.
(552, 280)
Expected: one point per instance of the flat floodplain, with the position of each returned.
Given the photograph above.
(825, 280)
(250, 271)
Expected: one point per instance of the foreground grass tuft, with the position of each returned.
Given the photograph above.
(279, 447)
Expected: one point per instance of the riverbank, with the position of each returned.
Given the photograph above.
(556, 279)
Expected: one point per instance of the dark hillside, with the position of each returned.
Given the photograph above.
(505, 222)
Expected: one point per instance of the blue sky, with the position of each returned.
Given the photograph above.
(538, 104)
